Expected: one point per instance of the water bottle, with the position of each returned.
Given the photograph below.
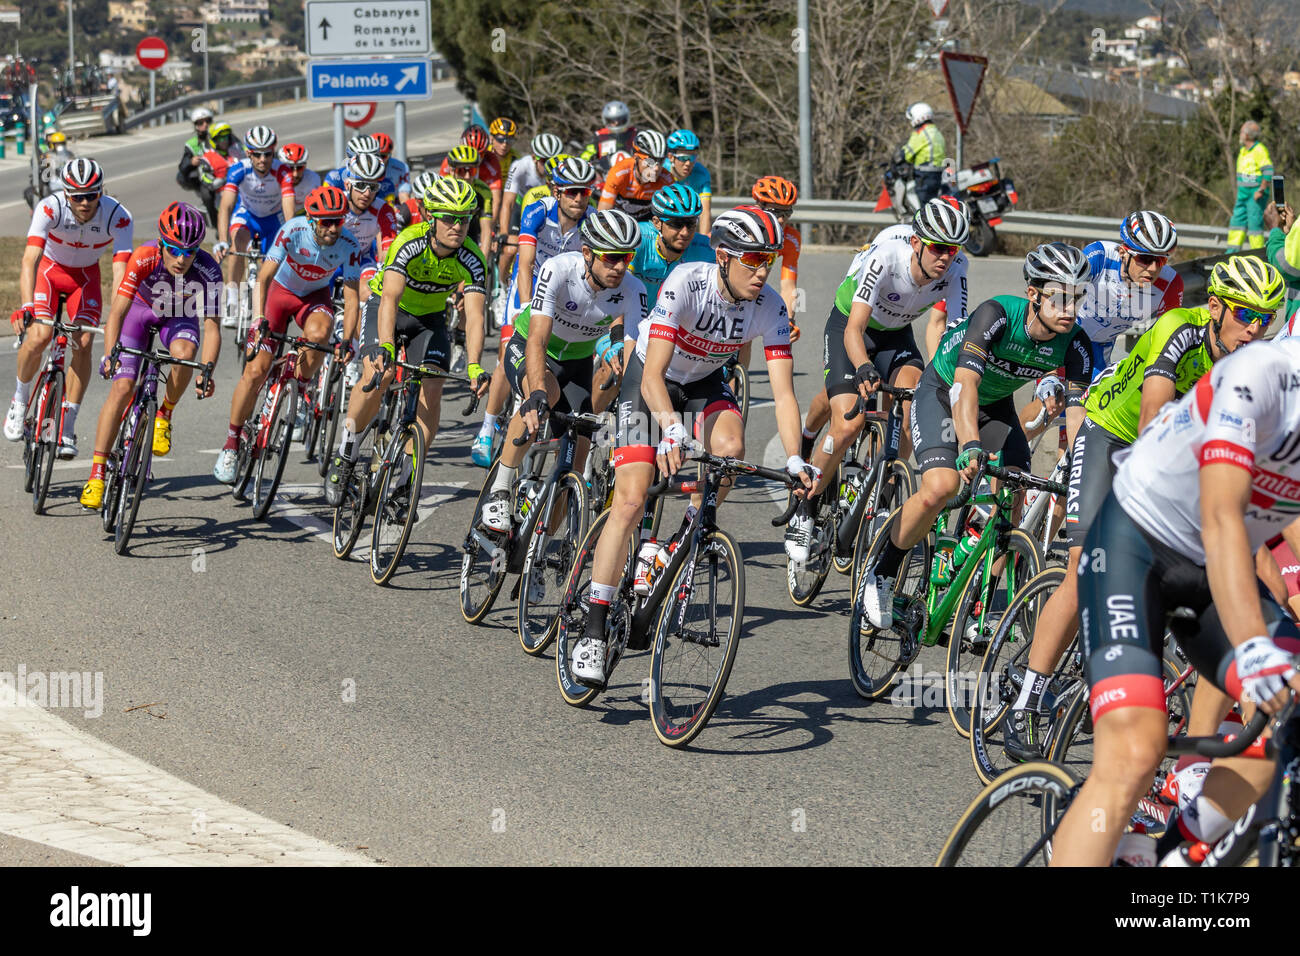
(645, 561)
(270, 401)
(965, 546)
(527, 496)
(1137, 848)
(941, 568)
(851, 486)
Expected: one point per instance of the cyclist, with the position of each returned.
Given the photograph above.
(371, 221)
(170, 286)
(222, 151)
(187, 175)
(70, 230)
(423, 265)
(411, 209)
(487, 170)
(294, 283)
(1210, 481)
(464, 163)
(1006, 342)
(524, 174)
(704, 313)
(614, 137)
(577, 296)
(296, 180)
(398, 173)
(503, 131)
(549, 227)
(907, 271)
(251, 201)
(633, 181)
(396, 176)
(778, 197)
(685, 167)
(1165, 363)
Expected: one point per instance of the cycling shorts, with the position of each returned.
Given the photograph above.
(888, 350)
(697, 402)
(1092, 469)
(264, 227)
(1129, 584)
(282, 305)
(934, 438)
(572, 375)
(425, 336)
(139, 325)
(77, 286)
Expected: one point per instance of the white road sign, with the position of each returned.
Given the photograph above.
(360, 27)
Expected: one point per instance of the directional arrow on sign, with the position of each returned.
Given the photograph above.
(324, 28)
(409, 75)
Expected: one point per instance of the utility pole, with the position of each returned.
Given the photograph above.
(72, 60)
(805, 107)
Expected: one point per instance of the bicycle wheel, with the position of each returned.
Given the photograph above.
(350, 515)
(740, 388)
(546, 569)
(877, 655)
(804, 580)
(112, 472)
(314, 398)
(131, 487)
(976, 620)
(696, 640)
(1002, 674)
(270, 464)
(45, 440)
(1005, 822)
(867, 446)
(397, 503)
(248, 453)
(899, 485)
(483, 568)
(335, 409)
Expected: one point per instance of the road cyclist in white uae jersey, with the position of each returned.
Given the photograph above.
(70, 230)
(295, 284)
(1211, 480)
(252, 201)
(578, 297)
(549, 227)
(295, 175)
(704, 314)
(908, 271)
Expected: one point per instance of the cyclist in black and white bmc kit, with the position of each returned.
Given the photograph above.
(1208, 482)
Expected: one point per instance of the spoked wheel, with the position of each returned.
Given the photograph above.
(804, 580)
(45, 442)
(112, 475)
(131, 487)
(976, 620)
(335, 409)
(483, 567)
(696, 641)
(398, 501)
(872, 440)
(900, 484)
(248, 453)
(550, 558)
(270, 464)
(1004, 824)
(877, 655)
(314, 435)
(1002, 674)
(739, 382)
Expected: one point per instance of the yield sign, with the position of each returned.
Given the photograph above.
(938, 6)
(964, 74)
(151, 52)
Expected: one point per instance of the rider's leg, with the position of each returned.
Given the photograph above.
(841, 434)
(819, 413)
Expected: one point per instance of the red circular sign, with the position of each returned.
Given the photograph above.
(151, 52)
(358, 115)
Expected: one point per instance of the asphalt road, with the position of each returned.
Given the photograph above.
(283, 682)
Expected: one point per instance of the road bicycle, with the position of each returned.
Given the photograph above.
(327, 400)
(691, 619)
(248, 289)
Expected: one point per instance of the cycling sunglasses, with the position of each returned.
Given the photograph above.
(82, 197)
(683, 157)
(576, 192)
(1248, 316)
(180, 252)
(690, 223)
(365, 186)
(756, 260)
(1146, 259)
(503, 139)
(614, 258)
(776, 210)
(942, 248)
(331, 222)
(260, 153)
(454, 219)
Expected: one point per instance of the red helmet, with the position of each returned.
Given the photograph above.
(477, 137)
(292, 154)
(325, 202)
(385, 144)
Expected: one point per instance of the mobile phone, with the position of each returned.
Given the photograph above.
(1279, 193)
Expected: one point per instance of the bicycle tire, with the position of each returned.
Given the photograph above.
(46, 436)
(550, 558)
(1015, 789)
(876, 657)
(131, 488)
(740, 376)
(804, 584)
(900, 484)
(334, 413)
(30, 458)
(873, 440)
(480, 582)
(677, 724)
(1023, 561)
(391, 530)
(350, 515)
(276, 452)
(311, 397)
(1009, 648)
(112, 468)
(248, 454)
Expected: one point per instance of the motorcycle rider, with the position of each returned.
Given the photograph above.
(187, 174)
(616, 136)
(926, 151)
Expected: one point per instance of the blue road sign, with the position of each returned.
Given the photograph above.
(369, 80)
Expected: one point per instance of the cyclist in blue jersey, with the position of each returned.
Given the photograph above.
(685, 168)
(396, 179)
(251, 202)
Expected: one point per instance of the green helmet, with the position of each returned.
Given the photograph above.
(447, 194)
(1248, 280)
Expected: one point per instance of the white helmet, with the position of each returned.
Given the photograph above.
(202, 113)
(615, 114)
(651, 143)
(919, 113)
(364, 168)
(1056, 262)
(941, 221)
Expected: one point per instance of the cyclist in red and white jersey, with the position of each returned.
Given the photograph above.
(296, 180)
(70, 230)
(1209, 481)
(371, 221)
(294, 283)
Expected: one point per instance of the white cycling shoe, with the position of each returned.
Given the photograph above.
(224, 469)
(496, 512)
(14, 420)
(67, 446)
(588, 666)
(798, 538)
(878, 600)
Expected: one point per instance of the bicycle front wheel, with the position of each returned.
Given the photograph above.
(696, 640)
(740, 388)
(1004, 824)
(399, 498)
(804, 580)
(573, 614)
(45, 440)
(483, 567)
(334, 411)
(131, 486)
(112, 475)
(550, 558)
(898, 484)
(270, 464)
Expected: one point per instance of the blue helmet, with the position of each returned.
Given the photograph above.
(683, 139)
(677, 201)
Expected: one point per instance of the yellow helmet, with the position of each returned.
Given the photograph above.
(55, 137)
(463, 155)
(502, 126)
(1248, 280)
(447, 194)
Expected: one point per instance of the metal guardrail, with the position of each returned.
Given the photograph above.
(163, 111)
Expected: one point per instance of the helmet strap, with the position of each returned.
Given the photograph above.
(920, 268)
(1216, 326)
(726, 282)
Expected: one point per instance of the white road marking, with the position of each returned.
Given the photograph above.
(64, 788)
(286, 505)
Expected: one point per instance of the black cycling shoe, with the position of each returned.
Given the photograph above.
(1020, 735)
(336, 480)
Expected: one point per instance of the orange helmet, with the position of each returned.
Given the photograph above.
(385, 144)
(775, 190)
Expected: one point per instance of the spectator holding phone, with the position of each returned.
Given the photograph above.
(1283, 251)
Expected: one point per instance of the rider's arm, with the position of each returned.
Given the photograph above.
(987, 325)
(1078, 376)
(609, 191)
(935, 325)
(539, 334)
(790, 267)
(854, 329)
(286, 193)
(780, 374)
(223, 214)
(524, 273)
(264, 276)
(475, 300)
(951, 308)
(116, 314)
(394, 286)
(1229, 564)
(27, 276)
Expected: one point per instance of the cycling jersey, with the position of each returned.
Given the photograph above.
(429, 279)
(652, 268)
(606, 143)
(705, 328)
(488, 170)
(213, 164)
(1176, 348)
(373, 228)
(65, 241)
(310, 180)
(259, 194)
(540, 228)
(699, 179)
(623, 190)
(522, 176)
(790, 244)
(881, 276)
(396, 179)
(400, 173)
(305, 265)
(995, 344)
(1245, 412)
(1114, 304)
(148, 283)
(579, 314)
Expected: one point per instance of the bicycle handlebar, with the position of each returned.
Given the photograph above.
(1214, 747)
(1011, 476)
(860, 406)
(166, 358)
(732, 466)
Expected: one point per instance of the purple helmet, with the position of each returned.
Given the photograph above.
(182, 225)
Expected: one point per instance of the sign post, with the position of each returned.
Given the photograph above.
(368, 28)
(151, 53)
(964, 75)
(357, 115)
